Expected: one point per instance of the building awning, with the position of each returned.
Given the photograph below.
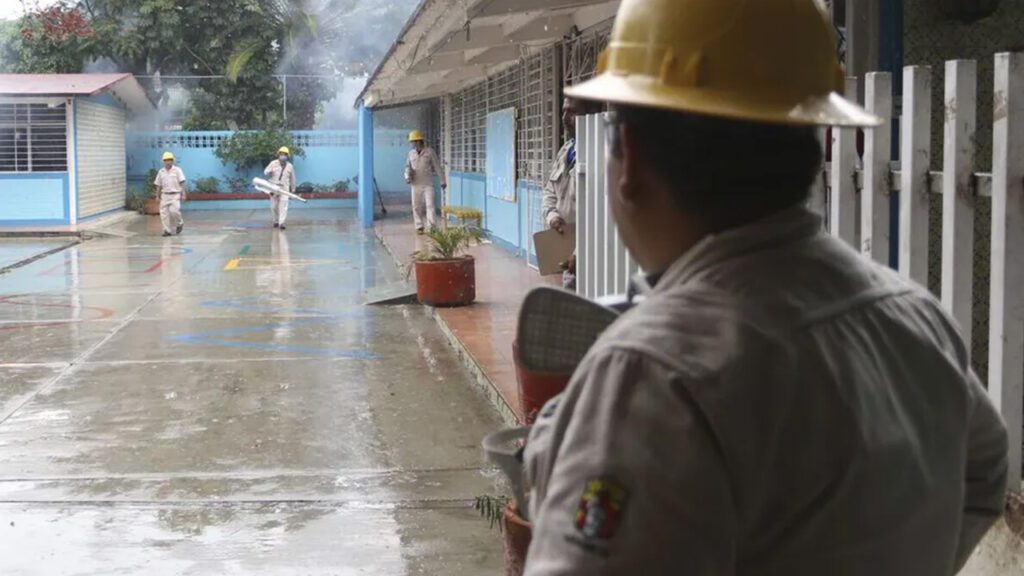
(446, 46)
(123, 87)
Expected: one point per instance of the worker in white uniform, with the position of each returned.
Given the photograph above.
(420, 167)
(559, 202)
(282, 173)
(171, 190)
(776, 404)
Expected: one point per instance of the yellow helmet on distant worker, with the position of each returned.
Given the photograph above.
(416, 136)
(763, 61)
(168, 156)
(284, 150)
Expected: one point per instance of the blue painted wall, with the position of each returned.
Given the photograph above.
(322, 165)
(507, 223)
(34, 199)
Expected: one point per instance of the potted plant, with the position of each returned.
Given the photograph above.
(516, 533)
(445, 274)
(151, 205)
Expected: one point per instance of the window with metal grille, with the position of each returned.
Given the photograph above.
(33, 138)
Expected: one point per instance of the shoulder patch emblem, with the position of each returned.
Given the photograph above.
(601, 508)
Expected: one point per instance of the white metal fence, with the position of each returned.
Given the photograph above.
(854, 194)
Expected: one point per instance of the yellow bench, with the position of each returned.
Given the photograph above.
(463, 214)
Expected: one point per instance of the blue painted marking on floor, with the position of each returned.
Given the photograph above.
(215, 338)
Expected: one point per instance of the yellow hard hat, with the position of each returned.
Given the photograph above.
(416, 136)
(168, 156)
(764, 61)
(284, 150)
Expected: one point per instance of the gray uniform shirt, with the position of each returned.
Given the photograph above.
(560, 189)
(170, 181)
(777, 404)
(422, 166)
(283, 175)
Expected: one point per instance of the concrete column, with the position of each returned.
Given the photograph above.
(366, 194)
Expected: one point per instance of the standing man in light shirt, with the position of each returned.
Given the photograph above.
(420, 168)
(282, 173)
(559, 203)
(170, 189)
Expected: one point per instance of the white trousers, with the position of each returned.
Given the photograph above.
(423, 195)
(279, 208)
(170, 212)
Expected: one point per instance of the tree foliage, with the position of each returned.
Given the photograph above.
(255, 148)
(246, 44)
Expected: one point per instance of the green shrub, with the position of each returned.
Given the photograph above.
(150, 186)
(207, 185)
(449, 243)
(250, 149)
(306, 188)
(235, 184)
(341, 186)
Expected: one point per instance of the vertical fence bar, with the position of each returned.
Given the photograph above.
(843, 200)
(957, 193)
(1006, 324)
(915, 162)
(874, 231)
(600, 210)
(583, 139)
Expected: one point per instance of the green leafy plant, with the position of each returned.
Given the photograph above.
(136, 202)
(448, 243)
(306, 188)
(235, 184)
(492, 509)
(251, 149)
(341, 186)
(150, 183)
(209, 185)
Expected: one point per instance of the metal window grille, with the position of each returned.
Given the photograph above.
(581, 53)
(33, 138)
(538, 117)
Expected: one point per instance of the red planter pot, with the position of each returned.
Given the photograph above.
(536, 388)
(446, 283)
(517, 535)
(151, 207)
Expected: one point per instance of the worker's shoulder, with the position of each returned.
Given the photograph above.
(695, 331)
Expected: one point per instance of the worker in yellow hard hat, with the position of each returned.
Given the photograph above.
(773, 403)
(421, 166)
(172, 191)
(282, 172)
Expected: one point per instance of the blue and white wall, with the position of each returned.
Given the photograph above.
(509, 224)
(39, 198)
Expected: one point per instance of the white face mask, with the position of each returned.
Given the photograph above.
(283, 158)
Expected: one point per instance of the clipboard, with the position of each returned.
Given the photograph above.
(554, 249)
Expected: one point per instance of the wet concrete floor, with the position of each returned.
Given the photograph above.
(223, 403)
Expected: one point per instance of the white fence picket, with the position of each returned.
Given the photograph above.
(843, 199)
(915, 161)
(584, 262)
(958, 194)
(874, 235)
(1006, 324)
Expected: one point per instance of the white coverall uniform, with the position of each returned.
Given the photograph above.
(777, 404)
(560, 196)
(420, 168)
(171, 184)
(285, 176)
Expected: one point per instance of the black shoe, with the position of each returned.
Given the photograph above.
(282, 227)
(180, 228)
(419, 231)
(276, 225)
(166, 234)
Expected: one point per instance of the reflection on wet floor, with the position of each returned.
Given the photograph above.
(222, 403)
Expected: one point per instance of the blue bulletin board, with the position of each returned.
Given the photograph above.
(501, 154)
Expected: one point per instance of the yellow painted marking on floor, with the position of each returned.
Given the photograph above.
(264, 263)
